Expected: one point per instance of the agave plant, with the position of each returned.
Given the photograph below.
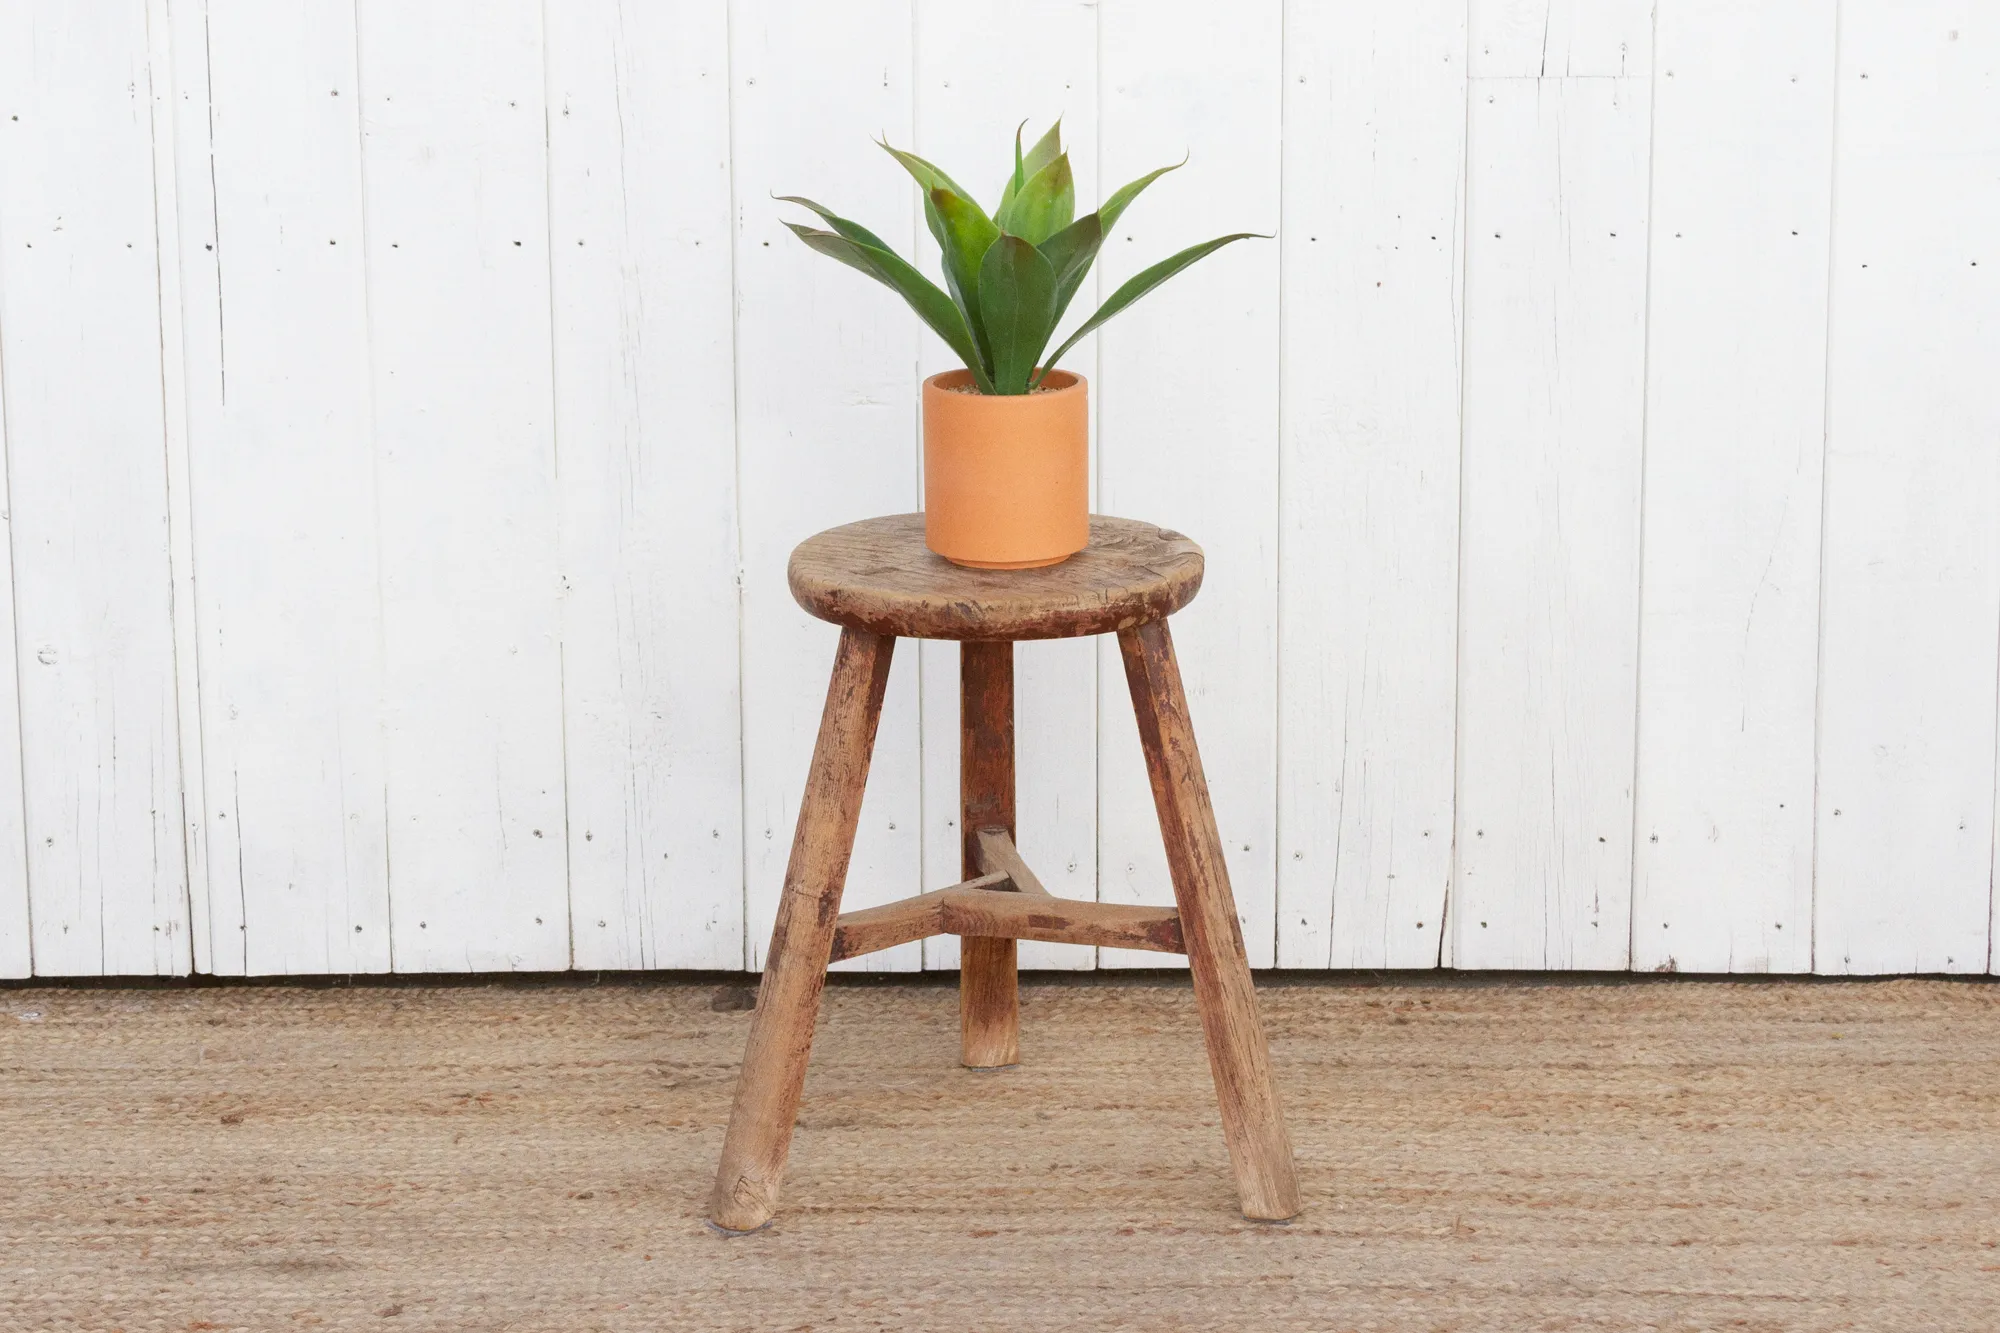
(1010, 274)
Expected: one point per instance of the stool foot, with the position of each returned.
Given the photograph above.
(989, 1004)
(774, 1060)
(1252, 1123)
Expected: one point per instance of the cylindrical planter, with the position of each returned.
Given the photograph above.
(1006, 477)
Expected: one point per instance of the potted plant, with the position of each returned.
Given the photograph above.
(1006, 439)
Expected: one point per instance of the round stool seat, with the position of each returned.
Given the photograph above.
(877, 575)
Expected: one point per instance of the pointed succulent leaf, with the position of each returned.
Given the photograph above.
(1043, 206)
(853, 231)
(1070, 252)
(1142, 282)
(1126, 193)
(1017, 300)
(926, 175)
(1019, 176)
(921, 294)
(965, 233)
(1046, 150)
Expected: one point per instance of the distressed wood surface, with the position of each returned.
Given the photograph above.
(1729, 581)
(1555, 336)
(1369, 481)
(1188, 416)
(826, 422)
(997, 855)
(645, 411)
(372, 575)
(284, 463)
(1906, 791)
(462, 396)
(989, 1002)
(1011, 915)
(878, 575)
(1252, 1123)
(774, 1062)
(82, 357)
(993, 909)
(871, 929)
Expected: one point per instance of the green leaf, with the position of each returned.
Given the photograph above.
(965, 233)
(1046, 150)
(1070, 252)
(922, 295)
(853, 231)
(1141, 283)
(1018, 179)
(1125, 194)
(930, 178)
(1017, 299)
(1043, 206)
(926, 175)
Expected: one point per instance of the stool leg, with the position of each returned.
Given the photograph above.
(989, 1003)
(1252, 1123)
(774, 1061)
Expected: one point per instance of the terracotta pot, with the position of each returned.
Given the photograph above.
(1006, 477)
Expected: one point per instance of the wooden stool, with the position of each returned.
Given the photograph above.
(877, 580)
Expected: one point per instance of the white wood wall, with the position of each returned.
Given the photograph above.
(408, 409)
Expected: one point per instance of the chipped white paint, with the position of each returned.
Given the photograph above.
(1729, 628)
(1912, 575)
(406, 423)
(1369, 485)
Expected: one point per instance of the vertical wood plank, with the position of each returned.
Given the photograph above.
(826, 381)
(283, 465)
(181, 196)
(16, 946)
(455, 172)
(1912, 545)
(1729, 636)
(1368, 577)
(968, 105)
(645, 440)
(1555, 39)
(81, 359)
(1555, 274)
(1188, 421)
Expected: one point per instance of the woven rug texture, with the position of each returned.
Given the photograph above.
(1674, 1155)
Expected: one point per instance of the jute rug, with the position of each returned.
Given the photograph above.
(1681, 1155)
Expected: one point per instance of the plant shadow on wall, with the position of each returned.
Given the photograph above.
(1011, 274)
(1006, 440)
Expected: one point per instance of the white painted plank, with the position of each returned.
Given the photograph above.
(1538, 39)
(1549, 539)
(645, 439)
(968, 106)
(177, 68)
(80, 351)
(1729, 635)
(1368, 482)
(826, 381)
(1188, 424)
(16, 945)
(456, 216)
(1912, 545)
(283, 465)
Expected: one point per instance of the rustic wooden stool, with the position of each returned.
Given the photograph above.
(878, 582)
